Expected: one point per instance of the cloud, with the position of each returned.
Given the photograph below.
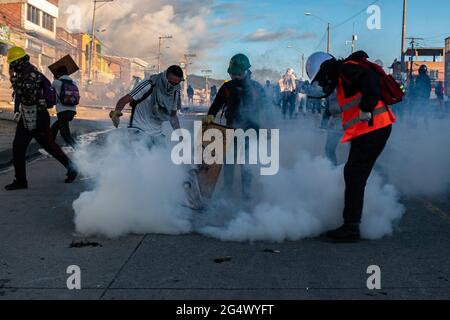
(263, 35)
(133, 27)
(226, 8)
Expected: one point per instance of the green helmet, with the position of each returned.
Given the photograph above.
(238, 64)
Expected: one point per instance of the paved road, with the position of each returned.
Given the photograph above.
(36, 232)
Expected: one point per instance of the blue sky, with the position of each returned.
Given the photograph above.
(262, 29)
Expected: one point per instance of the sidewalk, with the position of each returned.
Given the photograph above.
(87, 120)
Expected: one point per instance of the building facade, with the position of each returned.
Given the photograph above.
(447, 67)
(31, 24)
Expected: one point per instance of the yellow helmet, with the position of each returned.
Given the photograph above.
(15, 53)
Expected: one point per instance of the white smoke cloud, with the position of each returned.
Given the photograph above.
(135, 190)
(417, 159)
(139, 191)
(132, 27)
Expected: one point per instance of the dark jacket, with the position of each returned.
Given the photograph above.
(361, 79)
(243, 103)
(422, 88)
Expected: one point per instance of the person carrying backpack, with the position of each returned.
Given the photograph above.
(67, 99)
(364, 95)
(33, 96)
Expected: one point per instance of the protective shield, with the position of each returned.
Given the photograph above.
(67, 62)
(202, 180)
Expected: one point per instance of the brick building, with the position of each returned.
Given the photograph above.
(31, 24)
(447, 66)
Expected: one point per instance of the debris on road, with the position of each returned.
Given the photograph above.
(222, 259)
(267, 250)
(82, 244)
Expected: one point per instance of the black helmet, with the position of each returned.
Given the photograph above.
(423, 69)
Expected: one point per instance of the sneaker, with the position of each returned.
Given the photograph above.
(71, 176)
(17, 185)
(345, 234)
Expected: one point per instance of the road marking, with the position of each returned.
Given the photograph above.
(435, 210)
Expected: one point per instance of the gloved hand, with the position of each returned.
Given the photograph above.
(365, 116)
(208, 119)
(16, 117)
(115, 117)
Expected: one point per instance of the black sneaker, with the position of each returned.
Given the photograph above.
(71, 176)
(345, 234)
(17, 185)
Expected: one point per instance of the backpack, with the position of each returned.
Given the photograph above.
(391, 91)
(48, 92)
(69, 95)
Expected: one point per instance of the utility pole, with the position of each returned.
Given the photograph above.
(303, 66)
(160, 38)
(403, 37)
(413, 52)
(187, 62)
(329, 38)
(92, 47)
(354, 39)
(207, 73)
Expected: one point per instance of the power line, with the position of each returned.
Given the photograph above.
(321, 41)
(355, 15)
(438, 36)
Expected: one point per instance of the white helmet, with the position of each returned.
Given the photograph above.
(315, 62)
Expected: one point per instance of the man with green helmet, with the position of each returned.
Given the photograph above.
(243, 102)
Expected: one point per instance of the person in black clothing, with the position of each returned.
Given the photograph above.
(190, 94)
(368, 136)
(34, 119)
(243, 100)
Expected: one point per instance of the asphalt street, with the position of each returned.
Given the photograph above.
(39, 243)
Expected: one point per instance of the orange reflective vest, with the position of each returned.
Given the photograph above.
(353, 126)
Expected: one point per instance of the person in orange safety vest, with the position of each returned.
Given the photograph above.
(367, 123)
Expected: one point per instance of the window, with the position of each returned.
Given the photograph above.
(33, 14)
(48, 22)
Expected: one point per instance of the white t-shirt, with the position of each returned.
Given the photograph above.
(148, 117)
(57, 84)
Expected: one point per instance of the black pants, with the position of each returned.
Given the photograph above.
(62, 125)
(288, 103)
(43, 136)
(364, 152)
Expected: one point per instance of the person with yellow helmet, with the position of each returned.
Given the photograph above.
(29, 87)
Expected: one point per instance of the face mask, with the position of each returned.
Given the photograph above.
(239, 76)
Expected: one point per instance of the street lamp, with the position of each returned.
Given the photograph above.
(328, 28)
(303, 59)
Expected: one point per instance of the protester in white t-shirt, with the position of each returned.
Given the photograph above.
(154, 101)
